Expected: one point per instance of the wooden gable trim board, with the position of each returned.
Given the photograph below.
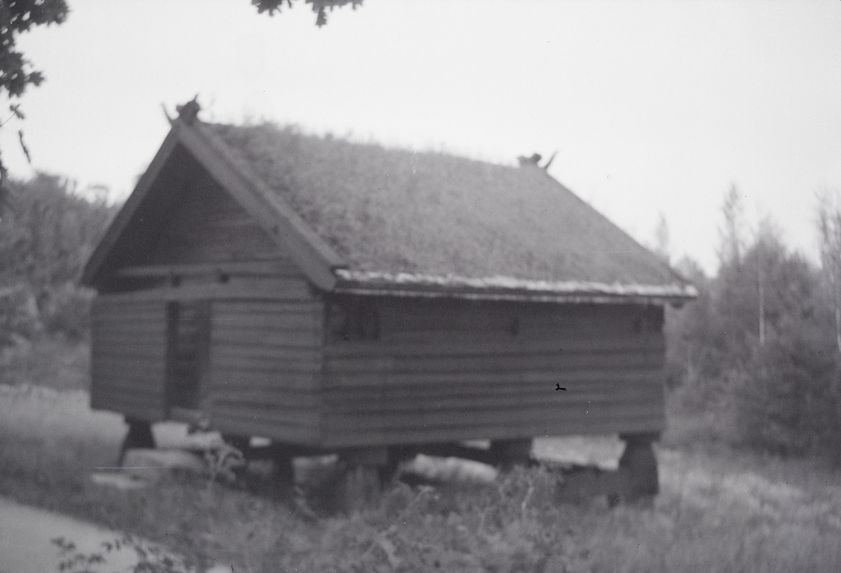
(242, 268)
(313, 256)
(238, 289)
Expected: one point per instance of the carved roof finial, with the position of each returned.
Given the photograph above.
(533, 160)
(188, 111)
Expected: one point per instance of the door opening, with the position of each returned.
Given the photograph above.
(188, 332)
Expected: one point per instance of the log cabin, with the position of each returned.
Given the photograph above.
(344, 297)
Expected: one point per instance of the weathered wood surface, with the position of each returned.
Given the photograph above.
(179, 213)
(313, 255)
(242, 288)
(114, 237)
(190, 241)
(188, 339)
(274, 267)
(128, 358)
(449, 370)
(265, 361)
(207, 225)
(184, 224)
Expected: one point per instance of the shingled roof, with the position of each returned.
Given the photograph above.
(403, 219)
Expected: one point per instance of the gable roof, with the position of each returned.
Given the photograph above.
(313, 255)
(404, 222)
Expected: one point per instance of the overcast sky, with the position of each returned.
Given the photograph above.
(652, 106)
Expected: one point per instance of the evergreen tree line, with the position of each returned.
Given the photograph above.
(47, 231)
(759, 352)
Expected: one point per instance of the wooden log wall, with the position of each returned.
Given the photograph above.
(128, 357)
(258, 374)
(265, 362)
(454, 370)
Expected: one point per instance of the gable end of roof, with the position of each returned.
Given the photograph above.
(316, 259)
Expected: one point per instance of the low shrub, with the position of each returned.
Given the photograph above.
(66, 311)
(47, 361)
(789, 396)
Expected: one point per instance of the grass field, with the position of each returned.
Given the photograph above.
(719, 510)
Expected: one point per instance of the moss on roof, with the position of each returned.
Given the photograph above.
(393, 210)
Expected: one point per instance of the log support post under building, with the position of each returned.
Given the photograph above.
(283, 458)
(395, 456)
(361, 479)
(509, 453)
(639, 464)
(139, 436)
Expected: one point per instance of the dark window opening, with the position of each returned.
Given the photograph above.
(648, 319)
(354, 320)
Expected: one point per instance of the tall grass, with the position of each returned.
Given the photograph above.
(727, 511)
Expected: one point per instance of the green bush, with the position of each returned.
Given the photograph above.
(18, 315)
(66, 311)
(49, 361)
(756, 353)
(788, 399)
(514, 524)
(46, 235)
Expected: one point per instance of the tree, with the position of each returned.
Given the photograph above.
(661, 238)
(320, 7)
(689, 330)
(732, 231)
(765, 239)
(757, 350)
(829, 231)
(16, 71)
(44, 242)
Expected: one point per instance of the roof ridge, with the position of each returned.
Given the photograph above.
(303, 131)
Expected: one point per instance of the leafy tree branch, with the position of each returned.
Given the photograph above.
(16, 71)
(320, 7)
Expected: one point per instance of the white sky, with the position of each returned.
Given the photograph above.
(653, 106)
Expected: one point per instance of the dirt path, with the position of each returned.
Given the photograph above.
(26, 545)
(26, 534)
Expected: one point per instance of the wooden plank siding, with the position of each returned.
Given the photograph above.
(265, 359)
(260, 372)
(207, 225)
(128, 357)
(261, 375)
(457, 370)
